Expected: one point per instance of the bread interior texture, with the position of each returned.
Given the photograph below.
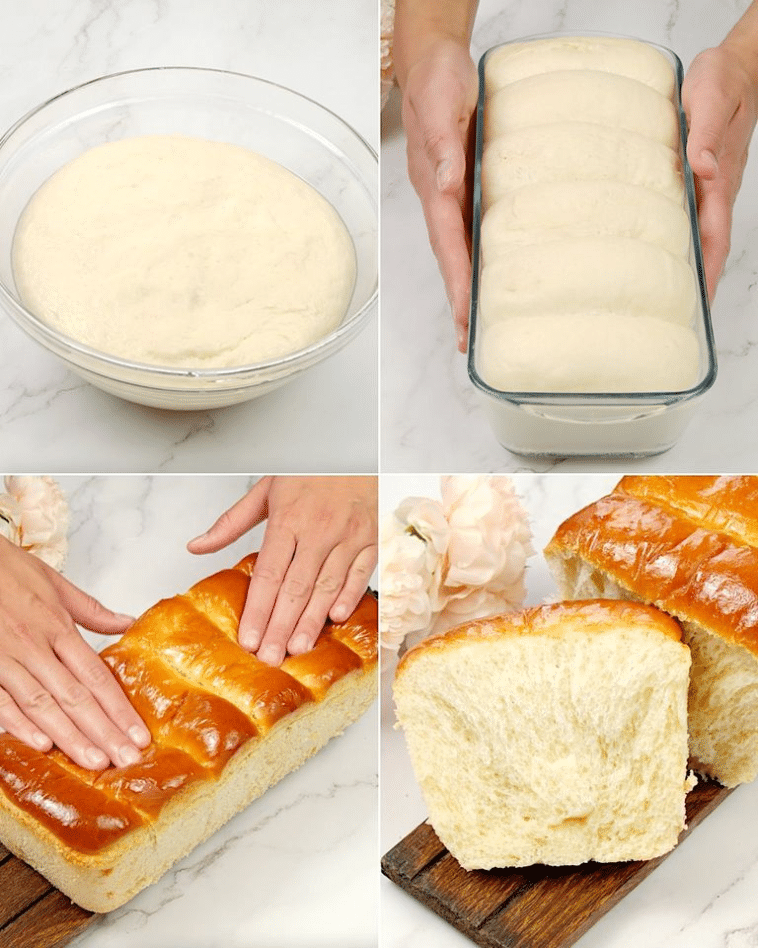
(723, 690)
(554, 749)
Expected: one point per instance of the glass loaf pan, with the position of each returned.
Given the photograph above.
(592, 424)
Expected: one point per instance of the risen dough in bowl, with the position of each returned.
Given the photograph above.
(178, 251)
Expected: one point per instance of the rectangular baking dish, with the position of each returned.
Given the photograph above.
(623, 424)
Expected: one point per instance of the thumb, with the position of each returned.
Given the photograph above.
(709, 109)
(87, 611)
(436, 114)
(249, 511)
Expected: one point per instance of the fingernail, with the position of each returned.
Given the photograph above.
(298, 644)
(444, 174)
(129, 755)
(708, 158)
(250, 640)
(140, 735)
(268, 655)
(95, 758)
(41, 741)
(123, 617)
(461, 338)
(339, 613)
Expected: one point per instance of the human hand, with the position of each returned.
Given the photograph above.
(439, 98)
(55, 688)
(317, 555)
(720, 99)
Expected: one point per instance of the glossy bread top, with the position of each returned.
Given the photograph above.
(686, 544)
(201, 695)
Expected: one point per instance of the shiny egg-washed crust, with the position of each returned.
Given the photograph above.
(221, 721)
(590, 616)
(685, 543)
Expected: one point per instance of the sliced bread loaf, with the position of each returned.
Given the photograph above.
(689, 545)
(556, 735)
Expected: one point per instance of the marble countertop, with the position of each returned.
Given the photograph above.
(702, 895)
(326, 420)
(268, 878)
(431, 417)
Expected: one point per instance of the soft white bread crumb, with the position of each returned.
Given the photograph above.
(582, 96)
(723, 693)
(555, 736)
(538, 213)
(588, 275)
(598, 352)
(572, 151)
(625, 57)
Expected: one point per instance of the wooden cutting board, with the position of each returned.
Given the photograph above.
(33, 914)
(538, 907)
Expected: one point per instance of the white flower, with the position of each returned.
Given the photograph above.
(425, 519)
(490, 540)
(450, 562)
(404, 583)
(9, 518)
(38, 513)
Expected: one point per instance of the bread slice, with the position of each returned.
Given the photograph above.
(225, 728)
(689, 545)
(556, 735)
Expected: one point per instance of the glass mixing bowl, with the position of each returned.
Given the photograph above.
(288, 128)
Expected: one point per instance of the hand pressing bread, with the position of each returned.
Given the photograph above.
(54, 688)
(317, 555)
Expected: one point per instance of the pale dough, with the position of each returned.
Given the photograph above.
(571, 151)
(538, 213)
(589, 353)
(586, 282)
(184, 252)
(582, 96)
(588, 275)
(622, 56)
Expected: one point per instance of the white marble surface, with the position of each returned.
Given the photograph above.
(703, 895)
(431, 420)
(268, 878)
(324, 421)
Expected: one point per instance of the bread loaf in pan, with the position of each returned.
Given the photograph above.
(689, 545)
(225, 727)
(556, 735)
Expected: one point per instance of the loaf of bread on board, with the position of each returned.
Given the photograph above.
(556, 735)
(225, 727)
(689, 545)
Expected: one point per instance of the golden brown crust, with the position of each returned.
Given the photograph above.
(203, 698)
(591, 616)
(684, 544)
(727, 503)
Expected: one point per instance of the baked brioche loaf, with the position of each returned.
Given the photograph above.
(556, 735)
(225, 727)
(584, 221)
(689, 545)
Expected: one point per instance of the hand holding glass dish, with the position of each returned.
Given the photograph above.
(186, 238)
(590, 331)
